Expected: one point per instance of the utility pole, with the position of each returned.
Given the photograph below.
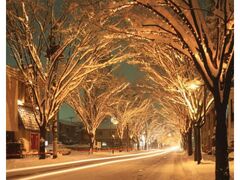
(50, 51)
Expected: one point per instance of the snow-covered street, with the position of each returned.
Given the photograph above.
(166, 166)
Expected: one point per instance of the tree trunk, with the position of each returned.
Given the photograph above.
(195, 143)
(138, 144)
(199, 152)
(222, 165)
(121, 144)
(145, 145)
(197, 140)
(181, 141)
(92, 140)
(185, 141)
(55, 140)
(183, 144)
(42, 143)
(189, 139)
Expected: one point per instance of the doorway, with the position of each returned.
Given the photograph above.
(34, 141)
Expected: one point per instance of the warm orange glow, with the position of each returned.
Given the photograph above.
(193, 85)
(141, 156)
(114, 121)
(20, 102)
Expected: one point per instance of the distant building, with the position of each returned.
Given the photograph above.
(208, 131)
(230, 120)
(209, 128)
(71, 132)
(106, 134)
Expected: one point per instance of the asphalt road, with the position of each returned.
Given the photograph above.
(143, 169)
(168, 166)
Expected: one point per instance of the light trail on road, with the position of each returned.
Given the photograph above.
(80, 161)
(142, 156)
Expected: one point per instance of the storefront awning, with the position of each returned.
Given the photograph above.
(28, 119)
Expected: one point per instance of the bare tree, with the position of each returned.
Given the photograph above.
(169, 107)
(55, 47)
(130, 107)
(139, 125)
(93, 100)
(178, 78)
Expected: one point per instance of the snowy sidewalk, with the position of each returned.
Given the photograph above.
(179, 166)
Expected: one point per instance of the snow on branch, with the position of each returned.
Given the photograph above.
(93, 100)
(56, 50)
(202, 32)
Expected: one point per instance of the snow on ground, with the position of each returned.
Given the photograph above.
(180, 166)
(174, 166)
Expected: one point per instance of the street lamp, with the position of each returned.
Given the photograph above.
(114, 120)
(20, 102)
(194, 84)
(113, 144)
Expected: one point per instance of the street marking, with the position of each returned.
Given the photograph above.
(98, 164)
(79, 161)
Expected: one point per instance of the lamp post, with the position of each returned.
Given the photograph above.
(131, 141)
(193, 85)
(127, 138)
(113, 143)
(114, 121)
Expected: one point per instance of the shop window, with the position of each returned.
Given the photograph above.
(100, 133)
(10, 136)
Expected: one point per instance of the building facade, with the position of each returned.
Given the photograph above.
(21, 125)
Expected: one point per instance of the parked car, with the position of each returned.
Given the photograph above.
(14, 150)
(61, 149)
